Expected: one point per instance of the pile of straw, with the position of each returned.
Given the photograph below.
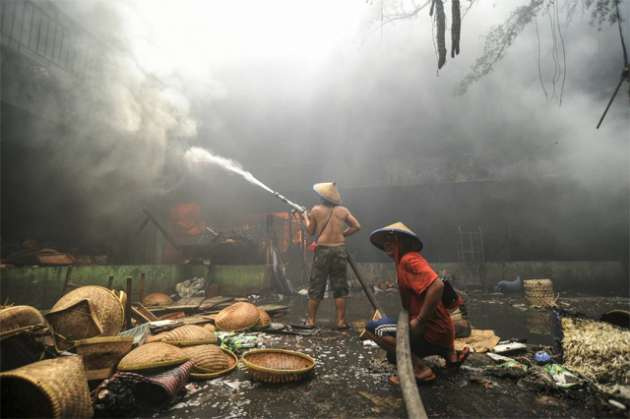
(597, 350)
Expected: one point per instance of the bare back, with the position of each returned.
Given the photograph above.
(341, 224)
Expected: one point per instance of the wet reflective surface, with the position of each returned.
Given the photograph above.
(351, 379)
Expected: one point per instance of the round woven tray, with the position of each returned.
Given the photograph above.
(232, 362)
(278, 365)
(51, 388)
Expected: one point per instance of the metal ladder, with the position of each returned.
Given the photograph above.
(470, 253)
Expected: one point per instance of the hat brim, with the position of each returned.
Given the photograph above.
(378, 237)
(322, 194)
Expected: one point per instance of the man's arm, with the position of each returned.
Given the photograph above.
(431, 300)
(309, 222)
(353, 225)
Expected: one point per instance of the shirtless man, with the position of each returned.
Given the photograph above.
(331, 223)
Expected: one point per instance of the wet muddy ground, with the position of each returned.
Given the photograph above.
(350, 378)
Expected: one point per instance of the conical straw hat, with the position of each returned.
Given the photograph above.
(52, 388)
(152, 355)
(232, 362)
(186, 336)
(207, 358)
(73, 319)
(377, 237)
(263, 319)
(328, 191)
(157, 299)
(237, 317)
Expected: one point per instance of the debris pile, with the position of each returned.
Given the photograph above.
(598, 351)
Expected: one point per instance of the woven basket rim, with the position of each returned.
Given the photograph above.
(195, 342)
(39, 385)
(20, 330)
(102, 339)
(209, 375)
(257, 367)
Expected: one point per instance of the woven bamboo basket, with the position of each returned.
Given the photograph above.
(278, 365)
(24, 336)
(237, 317)
(187, 335)
(152, 355)
(52, 388)
(101, 354)
(264, 320)
(18, 319)
(157, 299)
(87, 312)
(539, 292)
(232, 363)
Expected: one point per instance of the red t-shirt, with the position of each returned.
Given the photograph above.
(414, 277)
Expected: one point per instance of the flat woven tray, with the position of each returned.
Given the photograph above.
(278, 365)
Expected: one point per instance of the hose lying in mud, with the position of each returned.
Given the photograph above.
(413, 402)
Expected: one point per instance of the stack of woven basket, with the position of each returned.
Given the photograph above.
(539, 292)
(88, 321)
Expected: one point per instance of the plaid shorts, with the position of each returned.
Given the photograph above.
(419, 346)
(328, 263)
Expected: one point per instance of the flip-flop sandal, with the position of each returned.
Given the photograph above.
(303, 326)
(461, 358)
(344, 327)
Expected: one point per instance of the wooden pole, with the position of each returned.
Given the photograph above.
(128, 304)
(141, 287)
(411, 395)
(368, 292)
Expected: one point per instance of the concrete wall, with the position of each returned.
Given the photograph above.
(598, 277)
(42, 286)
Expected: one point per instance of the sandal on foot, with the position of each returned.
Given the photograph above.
(461, 358)
(303, 325)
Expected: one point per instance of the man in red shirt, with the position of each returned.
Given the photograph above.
(430, 325)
